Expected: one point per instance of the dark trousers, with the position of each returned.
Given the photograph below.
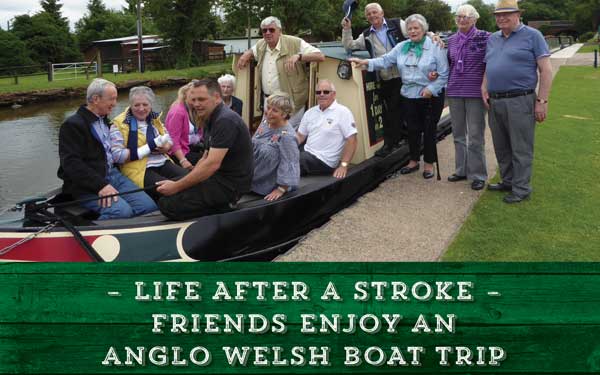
(422, 116)
(205, 198)
(393, 115)
(311, 165)
(168, 171)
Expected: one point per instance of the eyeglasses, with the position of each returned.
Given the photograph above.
(268, 30)
(462, 17)
(323, 92)
(504, 15)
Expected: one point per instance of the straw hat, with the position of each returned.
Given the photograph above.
(507, 6)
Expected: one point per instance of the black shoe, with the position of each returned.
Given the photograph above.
(456, 177)
(384, 151)
(499, 187)
(477, 184)
(428, 174)
(514, 198)
(407, 170)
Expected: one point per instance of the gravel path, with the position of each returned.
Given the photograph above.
(406, 218)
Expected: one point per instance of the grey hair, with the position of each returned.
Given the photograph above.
(96, 88)
(142, 91)
(418, 19)
(227, 78)
(468, 10)
(373, 5)
(281, 101)
(327, 81)
(270, 20)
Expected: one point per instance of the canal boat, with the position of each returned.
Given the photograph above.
(44, 229)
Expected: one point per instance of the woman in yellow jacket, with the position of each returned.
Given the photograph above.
(140, 143)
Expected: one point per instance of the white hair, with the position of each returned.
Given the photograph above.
(373, 5)
(142, 91)
(97, 87)
(468, 10)
(271, 20)
(418, 19)
(327, 82)
(226, 78)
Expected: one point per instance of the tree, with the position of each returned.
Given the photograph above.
(45, 38)
(13, 52)
(180, 22)
(438, 15)
(586, 15)
(486, 20)
(52, 7)
(101, 23)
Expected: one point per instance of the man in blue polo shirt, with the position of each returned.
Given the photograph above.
(514, 55)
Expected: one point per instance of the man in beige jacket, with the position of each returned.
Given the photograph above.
(281, 65)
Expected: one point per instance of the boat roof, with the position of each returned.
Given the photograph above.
(336, 50)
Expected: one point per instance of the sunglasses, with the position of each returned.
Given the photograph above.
(324, 92)
(269, 30)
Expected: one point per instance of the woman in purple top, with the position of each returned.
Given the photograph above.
(466, 51)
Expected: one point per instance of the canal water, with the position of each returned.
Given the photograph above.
(29, 138)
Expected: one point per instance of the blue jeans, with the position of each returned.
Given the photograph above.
(128, 205)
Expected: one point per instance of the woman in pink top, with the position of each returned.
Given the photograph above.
(184, 133)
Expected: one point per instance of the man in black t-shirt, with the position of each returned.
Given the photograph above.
(225, 171)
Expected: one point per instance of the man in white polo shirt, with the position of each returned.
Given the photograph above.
(330, 134)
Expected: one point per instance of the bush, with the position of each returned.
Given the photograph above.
(587, 37)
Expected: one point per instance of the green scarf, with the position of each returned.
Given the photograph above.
(417, 47)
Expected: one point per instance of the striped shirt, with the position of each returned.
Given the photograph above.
(467, 84)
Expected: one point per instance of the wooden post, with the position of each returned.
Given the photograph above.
(16, 79)
(50, 72)
(99, 62)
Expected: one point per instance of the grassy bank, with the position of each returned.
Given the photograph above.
(587, 48)
(561, 222)
(40, 82)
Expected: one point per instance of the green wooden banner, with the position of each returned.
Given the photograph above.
(311, 318)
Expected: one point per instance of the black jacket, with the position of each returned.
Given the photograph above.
(394, 34)
(83, 166)
(236, 105)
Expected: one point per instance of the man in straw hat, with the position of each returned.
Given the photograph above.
(514, 55)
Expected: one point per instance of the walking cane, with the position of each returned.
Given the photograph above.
(428, 121)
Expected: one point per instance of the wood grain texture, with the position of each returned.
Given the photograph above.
(59, 318)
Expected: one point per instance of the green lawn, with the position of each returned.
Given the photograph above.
(40, 82)
(588, 48)
(561, 222)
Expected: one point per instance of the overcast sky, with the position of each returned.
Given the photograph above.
(75, 9)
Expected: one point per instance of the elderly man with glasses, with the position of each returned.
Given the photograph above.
(281, 66)
(514, 55)
(330, 134)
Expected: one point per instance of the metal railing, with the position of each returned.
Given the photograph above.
(558, 42)
(73, 70)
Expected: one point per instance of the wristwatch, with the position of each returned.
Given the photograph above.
(281, 189)
(344, 164)
(543, 101)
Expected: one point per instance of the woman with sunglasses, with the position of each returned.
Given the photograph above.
(466, 52)
(416, 59)
(276, 154)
